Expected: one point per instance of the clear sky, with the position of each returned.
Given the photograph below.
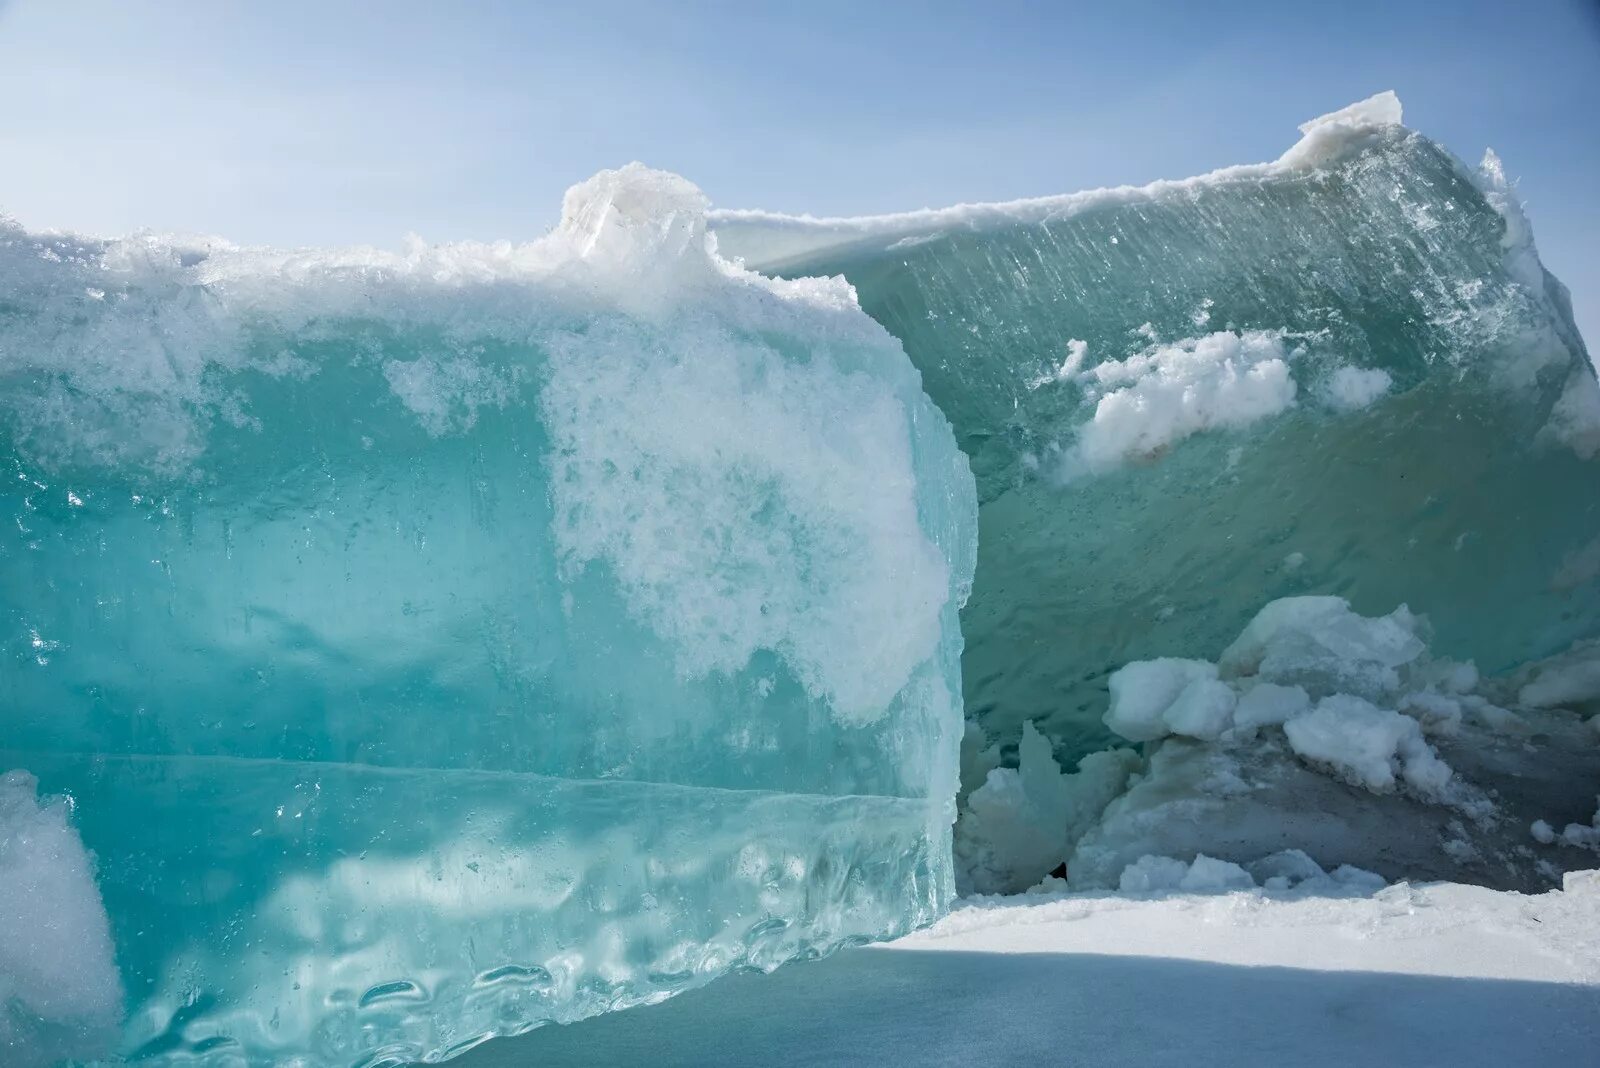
(332, 122)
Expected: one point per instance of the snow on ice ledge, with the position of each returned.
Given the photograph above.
(764, 239)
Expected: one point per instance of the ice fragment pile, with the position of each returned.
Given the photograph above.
(1317, 730)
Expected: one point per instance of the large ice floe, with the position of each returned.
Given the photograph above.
(440, 644)
(1344, 373)
(408, 649)
(1341, 372)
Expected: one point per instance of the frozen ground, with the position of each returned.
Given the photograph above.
(1437, 974)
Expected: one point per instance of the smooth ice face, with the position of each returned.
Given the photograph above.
(436, 645)
(1341, 372)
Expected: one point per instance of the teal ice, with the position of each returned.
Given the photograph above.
(441, 644)
(404, 649)
(1342, 372)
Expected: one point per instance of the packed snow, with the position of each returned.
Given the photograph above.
(60, 996)
(763, 239)
(1322, 969)
(1578, 835)
(1167, 392)
(1366, 744)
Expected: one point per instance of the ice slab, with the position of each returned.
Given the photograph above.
(433, 645)
(1344, 371)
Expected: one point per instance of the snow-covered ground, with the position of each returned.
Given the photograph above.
(1437, 974)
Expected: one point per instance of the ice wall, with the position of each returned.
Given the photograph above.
(439, 644)
(1343, 372)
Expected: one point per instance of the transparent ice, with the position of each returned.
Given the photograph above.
(440, 644)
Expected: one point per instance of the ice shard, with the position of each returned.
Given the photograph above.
(430, 646)
(1344, 372)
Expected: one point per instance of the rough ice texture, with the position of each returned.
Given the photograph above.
(1166, 393)
(1021, 823)
(1320, 730)
(60, 996)
(1142, 692)
(1342, 371)
(1426, 770)
(1334, 971)
(1366, 744)
(1570, 679)
(1579, 835)
(441, 643)
(1202, 875)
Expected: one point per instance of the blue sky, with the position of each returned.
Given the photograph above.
(334, 122)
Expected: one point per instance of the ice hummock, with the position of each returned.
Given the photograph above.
(1337, 737)
(433, 645)
(1347, 738)
(1344, 371)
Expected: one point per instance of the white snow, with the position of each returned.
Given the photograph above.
(1352, 388)
(1204, 709)
(1578, 835)
(1329, 922)
(1437, 713)
(1368, 745)
(1337, 972)
(764, 239)
(1141, 693)
(1260, 753)
(1293, 644)
(1327, 137)
(60, 996)
(1168, 392)
(1568, 679)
